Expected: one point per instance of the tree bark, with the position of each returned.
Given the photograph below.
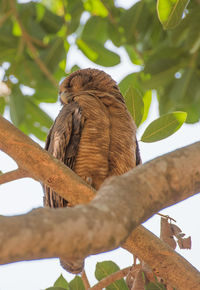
(121, 204)
(43, 167)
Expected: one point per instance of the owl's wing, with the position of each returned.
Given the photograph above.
(62, 142)
(137, 154)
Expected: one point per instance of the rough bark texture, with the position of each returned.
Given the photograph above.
(164, 261)
(121, 204)
(42, 166)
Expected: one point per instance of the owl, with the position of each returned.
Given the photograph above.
(94, 134)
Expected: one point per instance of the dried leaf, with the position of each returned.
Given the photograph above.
(175, 229)
(185, 243)
(139, 281)
(177, 232)
(166, 233)
(132, 274)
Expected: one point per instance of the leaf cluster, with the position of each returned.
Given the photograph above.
(163, 42)
(103, 270)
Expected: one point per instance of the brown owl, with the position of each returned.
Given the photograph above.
(94, 134)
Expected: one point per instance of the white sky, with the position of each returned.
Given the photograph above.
(21, 196)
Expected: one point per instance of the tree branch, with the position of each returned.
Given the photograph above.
(111, 278)
(40, 165)
(13, 175)
(85, 280)
(5, 17)
(120, 206)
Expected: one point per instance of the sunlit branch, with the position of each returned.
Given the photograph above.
(13, 175)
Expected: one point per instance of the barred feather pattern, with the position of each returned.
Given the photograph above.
(94, 133)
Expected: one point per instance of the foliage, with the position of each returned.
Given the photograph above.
(164, 126)
(34, 45)
(106, 268)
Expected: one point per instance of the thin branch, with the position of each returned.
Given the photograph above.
(32, 48)
(37, 41)
(85, 280)
(13, 175)
(5, 17)
(166, 216)
(135, 196)
(111, 278)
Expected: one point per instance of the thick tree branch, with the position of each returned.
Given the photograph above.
(163, 260)
(121, 205)
(40, 165)
(13, 175)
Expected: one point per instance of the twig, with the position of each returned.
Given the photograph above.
(13, 175)
(110, 279)
(167, 217)
(5, 17)
(85, 280)
(110, 16)
(37, 41)
(32, 48)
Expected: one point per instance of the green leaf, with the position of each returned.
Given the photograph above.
(96, 7)
(155, 286)
(147, 102)
(134, 56)
(170, 12)
(17, 106)
(135, 104)
(75, 9)
(183, 94)
(35, 29)
(90, 53)
(16, 29)
(131, 19)
(40, 10)
(37, 121)
(130, 80)
(54, 53)
(115, 33)
(51, 22)
(8, 42)
(29, 74)
(76, 284)
(2, 105)
(186, 87)
(164, 126)
(95, 26)
(45, 92)
(106, 268)
(193, 113)
(61, 282)
(160, 79)
(97, 53)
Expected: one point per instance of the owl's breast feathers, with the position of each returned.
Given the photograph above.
(95, 136)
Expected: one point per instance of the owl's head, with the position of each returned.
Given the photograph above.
(85, 80)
